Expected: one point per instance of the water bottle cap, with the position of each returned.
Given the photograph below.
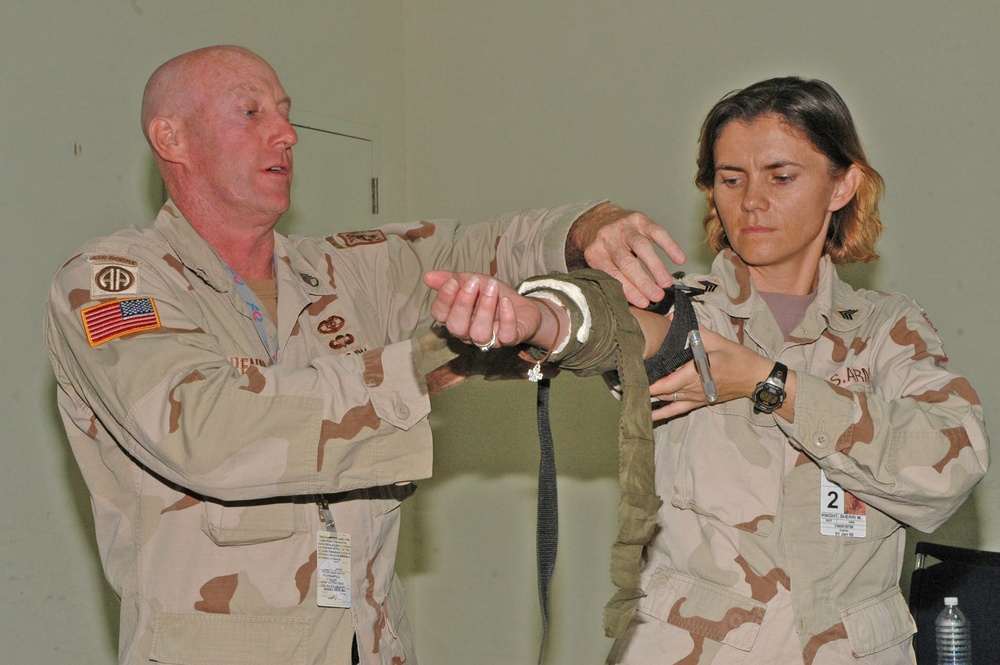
(950, 601)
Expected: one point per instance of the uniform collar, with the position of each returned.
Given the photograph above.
(198, 256)
(728, 287)
(192, 250)
(294, 269)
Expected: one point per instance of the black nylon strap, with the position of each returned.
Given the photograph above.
(674, 351)
(547, 525)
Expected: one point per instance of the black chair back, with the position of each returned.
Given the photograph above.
(972, 576)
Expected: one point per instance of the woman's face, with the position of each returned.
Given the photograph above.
(775, 194)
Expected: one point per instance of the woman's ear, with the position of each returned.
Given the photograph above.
(847, 186)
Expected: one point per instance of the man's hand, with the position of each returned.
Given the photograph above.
(623, 244)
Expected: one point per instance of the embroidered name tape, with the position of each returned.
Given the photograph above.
(110, 320)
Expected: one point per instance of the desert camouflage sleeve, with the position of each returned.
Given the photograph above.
(171, 399)
(512, 247)
(914, 445)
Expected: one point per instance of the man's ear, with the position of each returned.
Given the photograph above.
(165, 137)
(847, 187)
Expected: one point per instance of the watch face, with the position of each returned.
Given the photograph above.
(769, 396)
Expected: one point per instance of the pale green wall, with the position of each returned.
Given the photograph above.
(483, 107)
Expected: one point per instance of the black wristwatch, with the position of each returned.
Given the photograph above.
(770, 393)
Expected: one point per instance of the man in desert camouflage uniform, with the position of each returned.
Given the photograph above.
(248, 410)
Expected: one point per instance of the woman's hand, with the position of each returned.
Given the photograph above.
(735, 369)
(482, 310)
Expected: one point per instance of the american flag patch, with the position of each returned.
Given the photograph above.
(120, 317)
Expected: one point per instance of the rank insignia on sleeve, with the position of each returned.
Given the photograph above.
(113, 319)
(113, 276)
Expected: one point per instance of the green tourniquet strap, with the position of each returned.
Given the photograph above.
(617, 343)
(639, 503)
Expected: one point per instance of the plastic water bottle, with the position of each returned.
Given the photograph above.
(952, 632)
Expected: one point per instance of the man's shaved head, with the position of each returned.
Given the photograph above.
(217, 120)
(176, 87)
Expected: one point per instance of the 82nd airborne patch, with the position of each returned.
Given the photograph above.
(113, 276)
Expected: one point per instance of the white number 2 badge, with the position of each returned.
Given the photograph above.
(840, 512)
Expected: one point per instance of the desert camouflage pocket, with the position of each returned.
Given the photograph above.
(702, 608)
(241, 524)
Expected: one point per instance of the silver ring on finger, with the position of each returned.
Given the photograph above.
(488, 345)
(675, 396)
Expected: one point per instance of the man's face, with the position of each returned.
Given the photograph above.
(239, 139)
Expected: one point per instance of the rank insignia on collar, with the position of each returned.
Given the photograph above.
(709, 286)
(848, 314)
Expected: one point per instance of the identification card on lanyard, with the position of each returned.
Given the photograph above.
(333, 563)
(840, 512)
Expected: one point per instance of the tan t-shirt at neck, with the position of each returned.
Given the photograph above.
(266, 291)
(788, 310)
